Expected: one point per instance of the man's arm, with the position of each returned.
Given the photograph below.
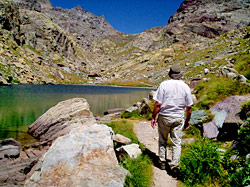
(187, 122)
(157, 108)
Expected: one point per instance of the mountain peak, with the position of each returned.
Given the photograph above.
(78, 8)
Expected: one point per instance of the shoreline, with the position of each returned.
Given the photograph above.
(150, 88)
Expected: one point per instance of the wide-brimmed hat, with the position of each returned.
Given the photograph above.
(175, 72)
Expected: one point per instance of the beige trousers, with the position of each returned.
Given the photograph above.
(173, 126)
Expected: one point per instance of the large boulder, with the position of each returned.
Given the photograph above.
(60, 119)
(83, 157)
(227, 119)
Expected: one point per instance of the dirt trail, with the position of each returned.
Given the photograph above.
(149, 137)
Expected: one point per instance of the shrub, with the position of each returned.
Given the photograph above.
(244, 139)
(200, 163)
(238, 170)
(241, 175)
(140, 170)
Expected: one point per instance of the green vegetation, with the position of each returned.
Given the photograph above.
(244, 139)
(32, 49)
(136, 115)
(217, 89)
(140, 168)
(124, 128)
(245, 110)
(127, 83)
(242, 64)
(236, 163)
(192, 132)
(201, 163)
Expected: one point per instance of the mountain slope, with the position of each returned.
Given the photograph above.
(55, 45)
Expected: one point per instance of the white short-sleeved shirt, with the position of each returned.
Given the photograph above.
(174, 96)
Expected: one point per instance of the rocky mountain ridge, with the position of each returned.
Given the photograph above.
(42, 44)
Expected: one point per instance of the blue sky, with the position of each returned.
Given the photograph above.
(128, 16)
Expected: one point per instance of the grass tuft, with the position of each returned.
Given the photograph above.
(140, 170)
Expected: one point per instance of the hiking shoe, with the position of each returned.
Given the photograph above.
(162, 165)
(175, 172)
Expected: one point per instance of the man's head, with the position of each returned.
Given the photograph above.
(175, 72)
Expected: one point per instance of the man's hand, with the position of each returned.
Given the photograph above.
(187, 122)
(157, 107)
(186, 125)
(153, 123)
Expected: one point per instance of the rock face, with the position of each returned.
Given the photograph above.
(61, 118)
(227, 119)
(209, 18)
(14, 164)
(84, 157)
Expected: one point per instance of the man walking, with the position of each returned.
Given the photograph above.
(172, 99)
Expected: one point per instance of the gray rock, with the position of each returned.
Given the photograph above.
(210, 130)
(198, 63)
(234, 157)
(151, 94)
(221, 150)
(131, 109)
(132, 150)
(144, 107)
(9, 148)
(83, 157)
(220, 116)
(3, 81)
(60, 119)
(242, 78)
(121, 139)
(197, 117)
(10, 141)
(113, 110)
(248, 156)
(9, 151)
(194, 82)
(231, 75)
(194, 98)
(229, 72)
(206, 70)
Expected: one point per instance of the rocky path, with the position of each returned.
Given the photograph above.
(149, 137)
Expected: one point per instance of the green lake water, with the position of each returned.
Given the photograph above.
(21, 105)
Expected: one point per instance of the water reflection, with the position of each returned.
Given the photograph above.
(21, 105)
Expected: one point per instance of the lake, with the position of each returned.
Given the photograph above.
(21, 105)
